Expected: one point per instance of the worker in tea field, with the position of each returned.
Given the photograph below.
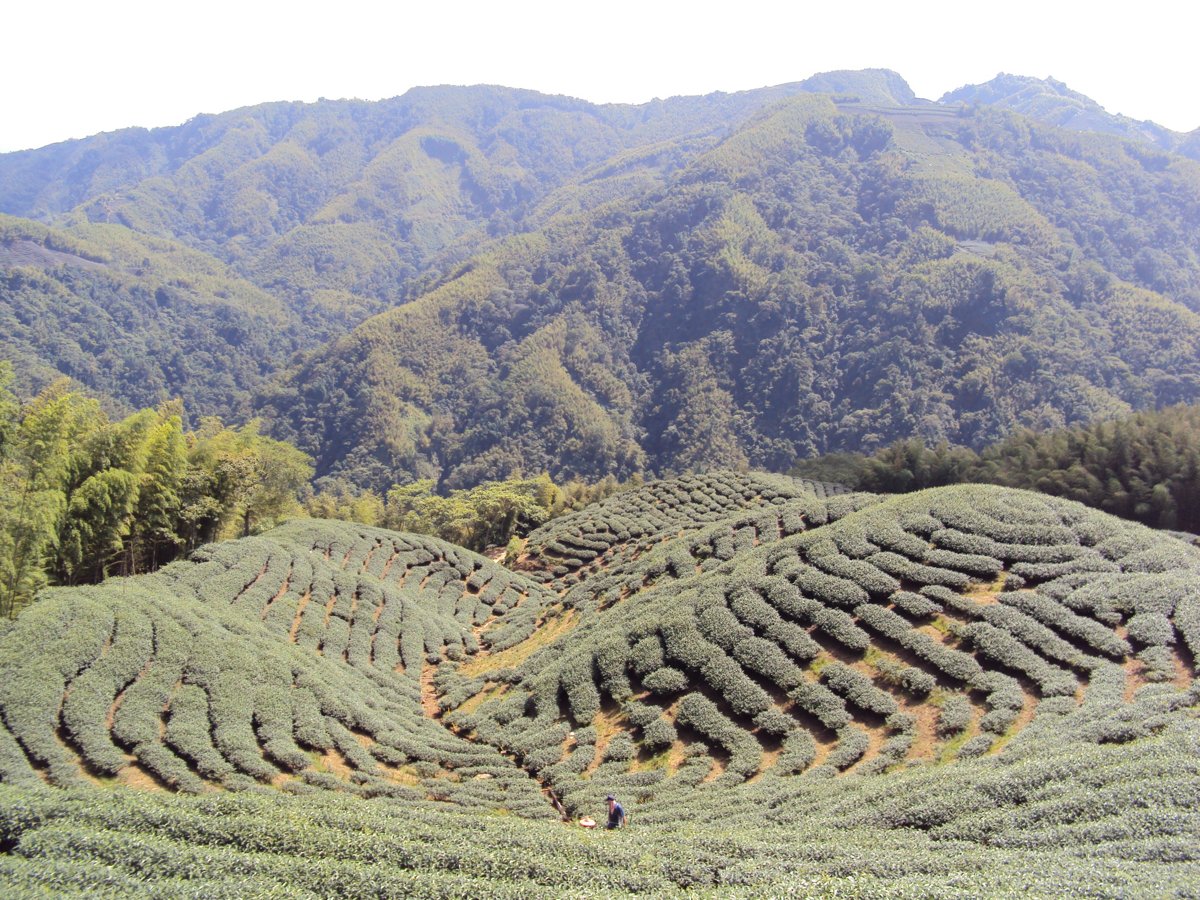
(616, 813)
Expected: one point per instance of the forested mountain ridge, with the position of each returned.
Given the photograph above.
(291, 223)
(1053, 102)
(361, 196)
(590, 290)
(834, 274)
(136, 319)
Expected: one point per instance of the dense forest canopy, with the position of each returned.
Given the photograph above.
(1144, 467)
(83, 496)
(821, 280)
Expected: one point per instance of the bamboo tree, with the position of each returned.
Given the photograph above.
(35, 475)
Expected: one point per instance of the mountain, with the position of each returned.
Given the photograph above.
(136, 319)
(832, 275)
(349, 197)
(294, 222)
(483, 281)
(1053, 102)
(970, 688)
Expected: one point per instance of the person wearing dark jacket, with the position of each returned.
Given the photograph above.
(616, 813)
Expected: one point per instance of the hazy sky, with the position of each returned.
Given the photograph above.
(70, 69)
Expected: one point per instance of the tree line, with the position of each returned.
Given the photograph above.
(492, 514)
(1144, 467)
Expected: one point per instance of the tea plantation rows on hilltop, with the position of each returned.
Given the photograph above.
(794, 690)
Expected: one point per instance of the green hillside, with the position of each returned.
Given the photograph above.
(193, 261)
(833, 275)
(138, 320)
(546, 284)
(1051, 101)
(1144, 467)
(337, 206)
(968, 690)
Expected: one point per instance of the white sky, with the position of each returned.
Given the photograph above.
(76, 67)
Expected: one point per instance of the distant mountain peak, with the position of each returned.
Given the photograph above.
(882, 86)
(1052, 101)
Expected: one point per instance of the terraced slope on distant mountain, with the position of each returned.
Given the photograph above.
(1053, 102)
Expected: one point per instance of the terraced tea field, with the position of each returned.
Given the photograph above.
(791, 688)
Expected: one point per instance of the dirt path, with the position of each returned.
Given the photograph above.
(429, 700)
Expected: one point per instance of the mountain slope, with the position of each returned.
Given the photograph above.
(295, 660)
(1053, 102)
(303, 219)
(827, 277)
(346, 201)
(137, 320)
(855, 634)
(729, 280)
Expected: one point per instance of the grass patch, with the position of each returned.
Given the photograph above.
(542, 636)
(950, 749)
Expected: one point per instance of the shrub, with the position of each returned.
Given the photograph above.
(824, 705)
(907, 678)
(721, 627)
(858, 689)
(750, 608)
(950, 662)
(852, 744)
(659, 733)
(665, 681)
(829, 589)
(684, 643)
(727, 679)
(890, 536)
(579, 685)
(799, 751)
(640, 714)
(998, 721)
(774, 721)
(904, 568)
(1057, 616)
(865, 575)
(1187, 621)
(975, 564)
(915, 604)
(977, 746)
(698, 712)
(620, 748)
(764, 657)
(646, 655)
(1151, 629)
(1008, 651)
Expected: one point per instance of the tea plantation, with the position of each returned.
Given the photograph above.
(795, 691)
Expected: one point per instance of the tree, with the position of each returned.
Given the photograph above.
(156, 534)
(35, 471)
(255, 480)
(475, 518)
